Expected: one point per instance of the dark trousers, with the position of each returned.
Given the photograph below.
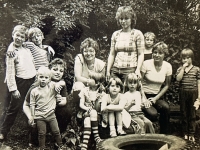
(187, 99)
(15, 105)
(161, 107)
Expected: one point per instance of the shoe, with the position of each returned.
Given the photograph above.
(121, 132)
(113, 133)
(186, 137)
(2, 138)
(191, 138)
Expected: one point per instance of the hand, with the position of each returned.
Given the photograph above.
(58, 98)
(58, 87)
(147, 104)
(104, 110)
(31, 121)
(185, 65)
(197, 103)
(50, 50)
(138, 73)
(152, 99)
(132, 102)
(11, 54)
(16, 94)
(107, 76)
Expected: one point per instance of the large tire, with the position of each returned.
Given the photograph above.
(174, 143)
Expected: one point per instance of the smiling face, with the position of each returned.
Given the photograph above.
(89, 53)
(57, 72)
(37, 39)
(158, 55)
(18, 38)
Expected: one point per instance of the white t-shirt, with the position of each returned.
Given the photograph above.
(153, 79)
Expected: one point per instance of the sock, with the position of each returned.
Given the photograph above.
(112, 128)
(119, 128)
(95, 131)
(86, 136)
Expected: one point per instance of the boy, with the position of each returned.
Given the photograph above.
(42, 54)
(43, 104)
(20, 74)
(149, 38)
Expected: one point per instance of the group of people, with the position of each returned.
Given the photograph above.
(127, 90)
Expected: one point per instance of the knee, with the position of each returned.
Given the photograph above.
(87, 122)
(93, 113)
(163, 106)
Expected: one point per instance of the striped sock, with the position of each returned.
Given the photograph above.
(95, 131)
(86, 136)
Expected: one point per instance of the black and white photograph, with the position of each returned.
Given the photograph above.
(99, 75)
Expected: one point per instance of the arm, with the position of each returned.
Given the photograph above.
(140, 50)
(180, 73)
(32, 103)
(111, 58)
(164, 89)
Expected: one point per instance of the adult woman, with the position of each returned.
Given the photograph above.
(127, 46)
(156, 72)
(86, 65)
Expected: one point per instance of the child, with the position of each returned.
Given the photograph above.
(90, 98)
(42, 54)
(134, 103)
(43, 104)
(57, 67)
(114, 87)
(149, 39)
(20, 74)
(189, 77)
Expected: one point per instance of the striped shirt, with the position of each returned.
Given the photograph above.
(190, 78)
(21, 65)
(126, 47)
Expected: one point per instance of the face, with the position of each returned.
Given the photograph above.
(37, 39)
(114, 89)
(132, 86)
(57, 72)
(89, 53)
(125, 22)
(187, 59)
(43, 79)
(149, 42)
(158, 55)
(18, 38)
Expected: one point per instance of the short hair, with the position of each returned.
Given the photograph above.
(89, 42)
(187, 53)
(98, 77)
(161, 46)
(33, 31)
(44, 70)
(19, 28)
(126, 11)
(118, 82)
(150, 34)
(57, 61)
(132, 77)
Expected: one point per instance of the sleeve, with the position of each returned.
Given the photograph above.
(32, 98)
(34, 85)
(169, 70)
(10, 74)
(113, 40)
(10, 47)
(198, 73)
(140, 41)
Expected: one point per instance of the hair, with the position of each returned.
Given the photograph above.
(89, 42)
(118, 82)
(126, 11)
(187, 53)
(44, 70)
(33, 31)
(132, 77)
(19, 28)
(150, 34)
(161, 46)
(57, 61)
